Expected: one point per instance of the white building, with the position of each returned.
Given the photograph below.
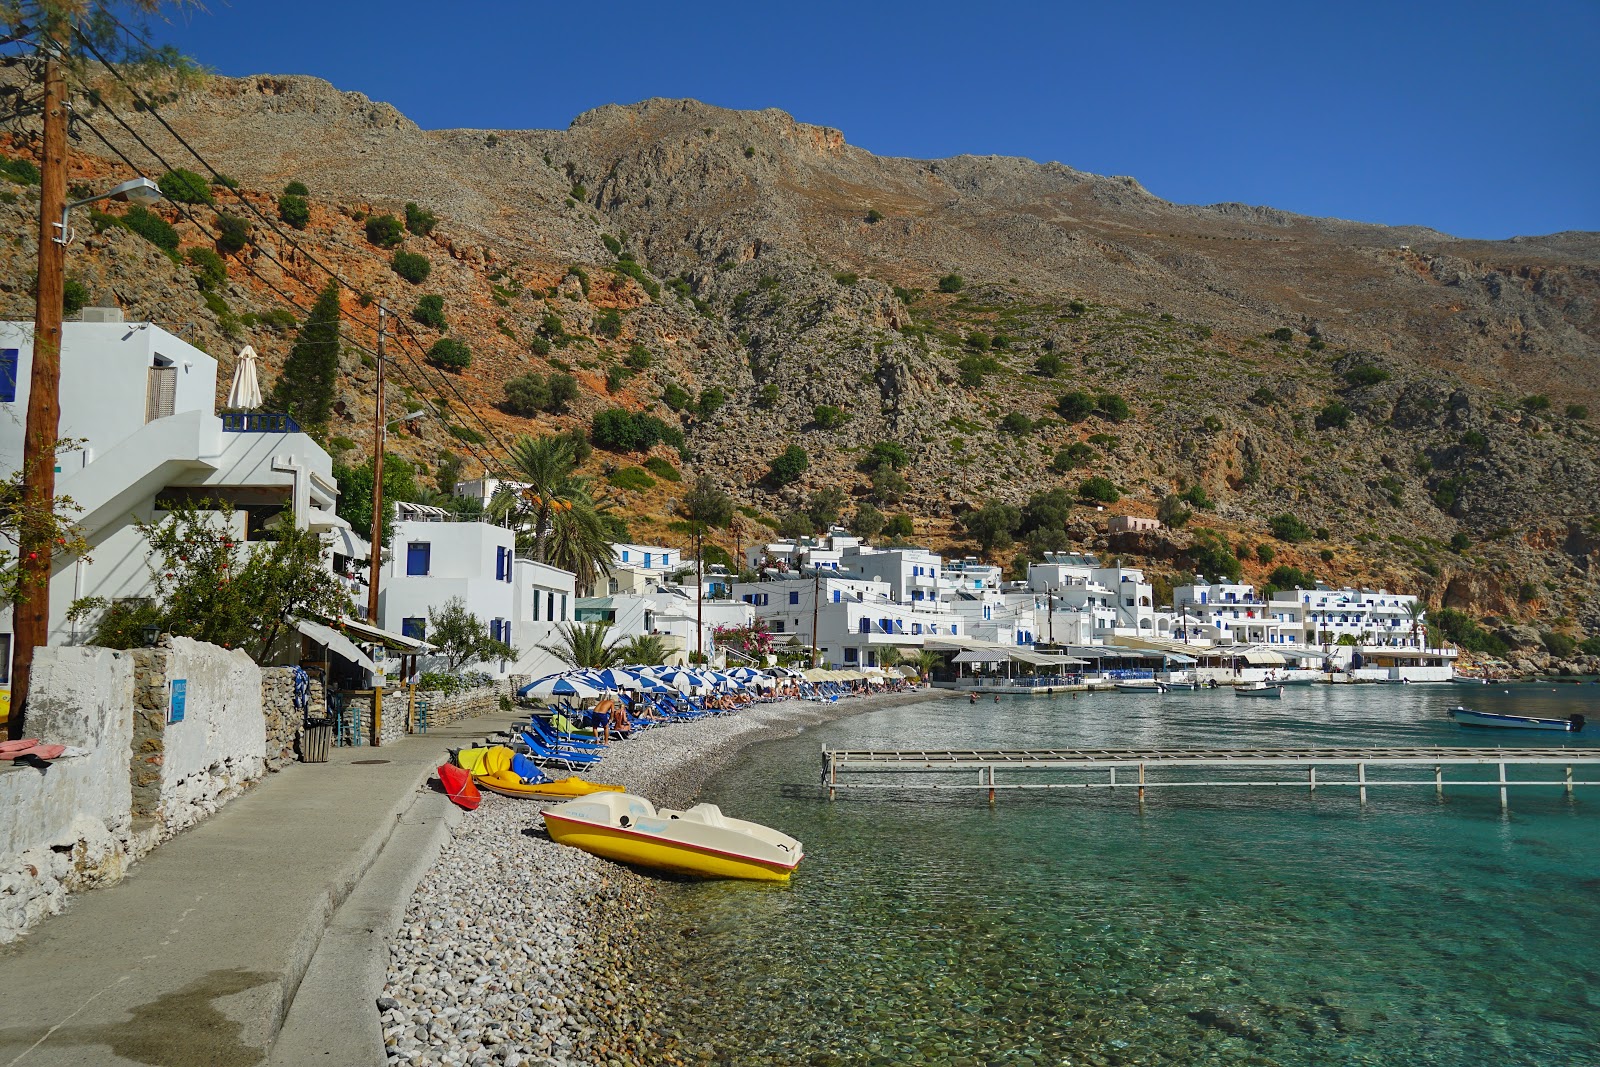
(542, 598)
(657, 560)
(796, 554)
(141, 404)
(432, 559)
(855, 617)
(1378, 618)
(912, 574)
(1232, 613)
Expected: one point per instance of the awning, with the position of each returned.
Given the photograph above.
(1260, 657)
(1045, 659)
(335, 642)
(365, 631)
(973, 655)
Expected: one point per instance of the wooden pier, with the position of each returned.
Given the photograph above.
(1085, 766)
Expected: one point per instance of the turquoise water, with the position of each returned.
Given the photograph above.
(1237, 926)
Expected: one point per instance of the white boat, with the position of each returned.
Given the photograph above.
(1468, 717)
(1141, 686)
(700, 842)
(1259, 689)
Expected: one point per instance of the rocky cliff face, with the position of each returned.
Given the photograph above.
(1391, 387)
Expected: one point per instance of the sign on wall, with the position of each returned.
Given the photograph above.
(177, 696)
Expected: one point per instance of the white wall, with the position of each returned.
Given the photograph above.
(461, 564)
(221, 744)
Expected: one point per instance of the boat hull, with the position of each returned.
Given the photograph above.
(698, 843)
(1468, 717)
(508, 784)
(1272, 692)
(640, 850)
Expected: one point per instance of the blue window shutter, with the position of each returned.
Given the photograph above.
(8, 375)
(794, 596)
(418, 556)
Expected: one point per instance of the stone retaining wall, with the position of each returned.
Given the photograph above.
(444, 709)
(283, 719)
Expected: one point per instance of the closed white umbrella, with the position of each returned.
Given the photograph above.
(246, 390)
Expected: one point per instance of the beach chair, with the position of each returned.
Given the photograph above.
(567, 757)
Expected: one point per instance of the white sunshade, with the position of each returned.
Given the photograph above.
(246, 390)
(335, 642)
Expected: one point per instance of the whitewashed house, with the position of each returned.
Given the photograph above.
(855, 617)
(1369, 633)
(912, 574)
(433, 559)
(140, 405)
(1233, 613)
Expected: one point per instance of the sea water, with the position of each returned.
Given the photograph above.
(1261, 926)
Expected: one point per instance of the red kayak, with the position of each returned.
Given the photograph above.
(458, 786)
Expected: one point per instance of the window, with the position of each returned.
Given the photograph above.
(419, 557)
(836, 596)
(550, 607)
(865, 626)
(8, 375)
(624, 555)
(794, 596)
(161, 393)
(499, 564)
(536, 605)
(414, 628)
(563, 607)
(647, 560)
(777, 626)
(916, 627)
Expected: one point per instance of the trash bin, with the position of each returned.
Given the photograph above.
(316, 737)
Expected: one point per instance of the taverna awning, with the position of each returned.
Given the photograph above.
(365, 631)
(981, 655)
(335, 642)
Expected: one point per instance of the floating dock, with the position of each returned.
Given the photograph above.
(1097, 768)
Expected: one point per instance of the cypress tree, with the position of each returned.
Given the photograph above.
(305, 388)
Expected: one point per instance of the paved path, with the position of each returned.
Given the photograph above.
(195, 958)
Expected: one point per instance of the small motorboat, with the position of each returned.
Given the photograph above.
(500, 770)
(700, 842)
(1141, 687)
(1259, 689)
(1467, 717)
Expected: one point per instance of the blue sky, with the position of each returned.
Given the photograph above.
(1478, 119)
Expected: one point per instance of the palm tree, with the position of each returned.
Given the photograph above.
(583, 644)
(926, 660)
(1415, 612)
(644, 649)
(560, 520)
(890, 656)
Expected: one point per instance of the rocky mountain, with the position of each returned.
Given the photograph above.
(1419, 403)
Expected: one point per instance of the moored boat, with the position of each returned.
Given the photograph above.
(700, 842)
(1141, 687)
(1469, 717)
(1259, 689)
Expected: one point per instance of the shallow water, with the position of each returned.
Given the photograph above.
(1214, 926)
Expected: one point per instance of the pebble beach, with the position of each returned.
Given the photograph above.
(519, 951)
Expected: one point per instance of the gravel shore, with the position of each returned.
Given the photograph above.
(519, 951)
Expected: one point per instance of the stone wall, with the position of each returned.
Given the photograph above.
(445, 709)
(67, 826)
(184, 771)
(283, 720)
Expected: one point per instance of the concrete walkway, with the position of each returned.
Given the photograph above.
(195, 958)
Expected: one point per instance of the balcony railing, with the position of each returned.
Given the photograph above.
(258, 422)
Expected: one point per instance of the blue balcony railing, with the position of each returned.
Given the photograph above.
(258, 422)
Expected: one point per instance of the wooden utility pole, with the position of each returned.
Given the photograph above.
(31, 613)
(378, 435)
(816, 604)
(699, 593)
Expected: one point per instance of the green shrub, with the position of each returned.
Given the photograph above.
(1463, 630)
(1534, 403)
(1460, 542)
(529, 394)
(621, 430)
(385, 231)
(1577, 412)
(662, 469)
(711, 400)
(1289, 528)
(184, 187)
(210, 271)
(420, 222)
(1099, 489)
(675, 396)
(1336, 416)
(412, 266)
(1212, 557)
(788, 466)
(767, 396)
(74, 296)
(578, 193)
(1590, 646)
(638, 358)
(296, 188)
(994, 525)
(451, 354)
(971, 370)
(978, 341)
(1476, 441)
(613, 245)
(430, 311)
(1075, 406)
(898, 526)
(829, 417)
(1448, 492)
(1287, 577)
(874, 215)
(952, 283)
(1266, 553)
(1366, 374)
(1016, 422)
(1050, 365)
(295, 210)
(1112, 406)
(889, 454)
(608, 323)
(233, 233)
(151, 227)
(631, 478)
(1263, 397)
(628, 268)
(1072, 457)
(847, 277)
(1282, 333)
(1558, 645)
(20, 171)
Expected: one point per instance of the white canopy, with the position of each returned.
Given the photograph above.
(246, 390)
(335, 642)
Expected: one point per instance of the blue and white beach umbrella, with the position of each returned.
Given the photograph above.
(613, 678)
(559, 685)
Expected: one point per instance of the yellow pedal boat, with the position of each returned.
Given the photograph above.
(700, 842)
(491, 769)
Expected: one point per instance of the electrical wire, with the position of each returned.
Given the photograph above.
(271, 223)
(486, 458)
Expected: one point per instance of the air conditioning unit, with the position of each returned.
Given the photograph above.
(100, 315)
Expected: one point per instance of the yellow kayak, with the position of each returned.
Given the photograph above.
(491, 769)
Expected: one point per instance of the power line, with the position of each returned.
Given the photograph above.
(271, 223)
(282, 295)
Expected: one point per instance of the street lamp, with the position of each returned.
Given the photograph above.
(31, 609)
(417, 414)
(140, 191)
